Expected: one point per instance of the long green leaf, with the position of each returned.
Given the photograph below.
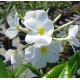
(70, 68)
(20, 70)
(3, 71)
(9, 71)
(55, 72)
(34, 70)
(66, 73)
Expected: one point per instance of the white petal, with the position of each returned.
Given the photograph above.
(19, 57)
(40, 60)
(8, 54)
(29, 51)
(29, 14)
(48, 25)
(54, 47)
(30, 23)
(73, 30)
(11, 33)
(52, 58)
(74, 41)
(13, 61)
(30, 54)
(44, 40)
(16, 19)
(41, 16)
(11, 21)
(31, 37)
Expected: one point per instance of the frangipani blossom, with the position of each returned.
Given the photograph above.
(73, 30)
(16, 57)
(41, 27)
(14, 26)
(43, 54)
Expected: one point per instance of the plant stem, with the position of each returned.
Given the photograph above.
(13, 71)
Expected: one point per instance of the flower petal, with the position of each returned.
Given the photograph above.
(29, 14)
(19, 57)
(41, 16)
(74, 41)
(52, 58)
(11, 21)
(8, 54)
(40, 60)
(29, 51)
(55, 47)
(44, 39)
(11, 33)
(30, 23)
(31, 37)
(13, 61)
(73, 30)
(16, 19)
(48, 26)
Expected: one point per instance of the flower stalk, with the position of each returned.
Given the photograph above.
(56, 18)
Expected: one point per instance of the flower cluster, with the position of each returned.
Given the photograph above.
(44, 47)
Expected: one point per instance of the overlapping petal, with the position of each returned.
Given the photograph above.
(11, 21)
(44, 40)
(39, 57)
(73, 30)
(16, 58)
(29, 14)
(41, 16)
(73, 40)
(14, 25)
(31, 37)
(41, 27)
(30, 23)
(48, 26)
(8, 54)
(11, 33)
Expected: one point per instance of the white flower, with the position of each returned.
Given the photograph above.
(16, 57)
(14, 26)
(41, 27)
(42, 54)
(73, 30)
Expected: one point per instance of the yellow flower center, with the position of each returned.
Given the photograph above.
(14, 51)
(40, 30)
(43, 49)
(18, 28)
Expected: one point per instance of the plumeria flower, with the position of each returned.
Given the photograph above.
(16, 57)
(73, 30)
(42, 54)
(14, 26)
(41, 27)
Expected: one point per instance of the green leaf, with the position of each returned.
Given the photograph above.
(20, 70)
(23, 67)
(74, 63)
(54, 72)
(70, 68)
(66, 73)
(3, 71)
(9, 71)
(34, 70)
